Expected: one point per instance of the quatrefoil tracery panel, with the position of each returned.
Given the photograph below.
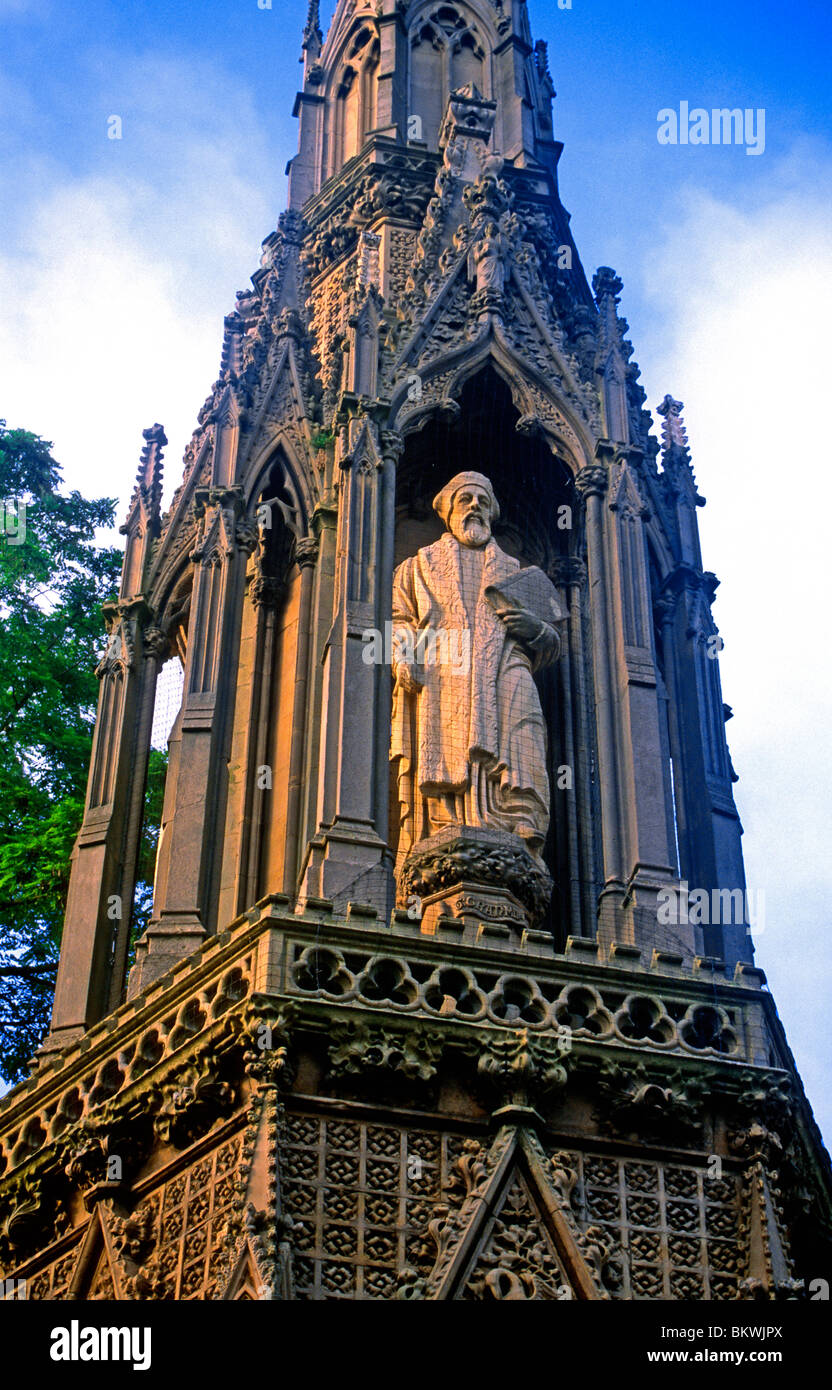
(445, 26)
(457, 991)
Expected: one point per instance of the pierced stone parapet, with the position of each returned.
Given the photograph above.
(358, 965)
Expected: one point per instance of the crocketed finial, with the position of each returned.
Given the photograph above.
(149, 476)
(673, 429)
(606, 285)
(312, 32)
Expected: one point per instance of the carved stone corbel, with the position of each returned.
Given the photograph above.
(521, 1068)
(267, 1031)
(633, 1099)
(369, 1052)
(189, 1105)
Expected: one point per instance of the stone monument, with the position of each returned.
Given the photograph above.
(418, 1011)
(469, 744)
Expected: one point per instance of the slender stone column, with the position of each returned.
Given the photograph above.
(665, 609)
(392, 445)
(666, 757)
(306, 555)
(103, 860)
(264, 592)
(592, 482)
(347, 857)
(190, 846)
(586, 802)
(156, 647)
(567, 574)
(565, 674)
(325, 530)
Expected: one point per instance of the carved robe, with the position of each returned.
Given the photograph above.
(471, 745)
(487, 261)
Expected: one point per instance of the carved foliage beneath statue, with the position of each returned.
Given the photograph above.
(506, 865)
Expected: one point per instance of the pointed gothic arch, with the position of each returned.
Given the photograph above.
(267, 735)
(447, 52)
(282, 431)
(481, 433)
(277, 475)
(354, 96)
(540, 411)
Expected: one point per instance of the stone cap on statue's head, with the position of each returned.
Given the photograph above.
(444, 500)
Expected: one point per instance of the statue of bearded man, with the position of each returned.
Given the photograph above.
(469, 742)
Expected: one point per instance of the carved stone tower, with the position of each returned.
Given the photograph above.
(392, 1032)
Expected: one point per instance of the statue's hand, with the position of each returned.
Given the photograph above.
(406, 678)
(521, 626)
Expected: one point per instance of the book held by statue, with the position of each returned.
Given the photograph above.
(529, 589)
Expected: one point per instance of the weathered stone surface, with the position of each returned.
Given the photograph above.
(537, 1077)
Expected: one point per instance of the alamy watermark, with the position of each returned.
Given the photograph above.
(12, 520)
(430, 646)
(77, 1343)
(720, 126)
(699, 907)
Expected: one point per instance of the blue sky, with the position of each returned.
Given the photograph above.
(118, 260)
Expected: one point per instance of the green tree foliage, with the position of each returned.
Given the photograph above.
(53, 579)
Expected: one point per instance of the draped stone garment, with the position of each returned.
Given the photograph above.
(471, 745)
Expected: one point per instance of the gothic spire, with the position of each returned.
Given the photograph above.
(676, 459)
(680, 480)
(312, 34)
(149, 476)
(674, 434)
(612, 359)
(143, 519)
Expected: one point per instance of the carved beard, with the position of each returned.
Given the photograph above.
(473, 529)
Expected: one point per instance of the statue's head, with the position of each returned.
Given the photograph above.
(468, 507)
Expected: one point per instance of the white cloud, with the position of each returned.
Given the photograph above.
(113, 292)
(119, 279)
(743, 296)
